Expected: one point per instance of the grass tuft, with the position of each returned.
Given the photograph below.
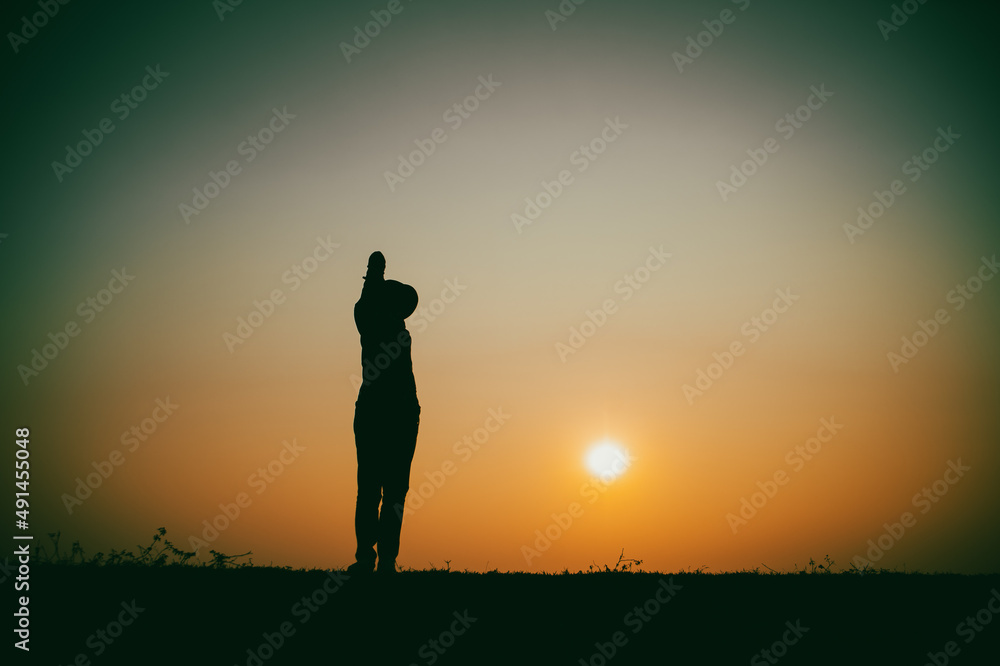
(160, 552)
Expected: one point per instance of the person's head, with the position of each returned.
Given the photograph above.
(376, 267)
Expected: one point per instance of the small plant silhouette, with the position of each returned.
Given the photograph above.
(624, 564)
(160, 552)
(815, 567)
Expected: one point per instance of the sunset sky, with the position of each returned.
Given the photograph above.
(576, 203)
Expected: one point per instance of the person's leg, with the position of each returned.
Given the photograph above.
(396, 484)
(369, 486)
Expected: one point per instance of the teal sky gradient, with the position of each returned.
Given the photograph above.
(323, 176)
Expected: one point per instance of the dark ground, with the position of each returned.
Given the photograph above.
(203, 615)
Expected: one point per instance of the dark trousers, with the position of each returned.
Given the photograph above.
(385, 434)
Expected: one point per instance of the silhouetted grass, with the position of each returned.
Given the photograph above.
(161, 552)
(217, 609)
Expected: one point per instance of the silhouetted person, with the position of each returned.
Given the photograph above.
(386, 417)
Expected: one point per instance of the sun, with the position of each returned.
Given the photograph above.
(607, 460)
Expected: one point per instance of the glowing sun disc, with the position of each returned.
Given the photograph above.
(607, 460)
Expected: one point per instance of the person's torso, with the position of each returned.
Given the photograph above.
(386, 361)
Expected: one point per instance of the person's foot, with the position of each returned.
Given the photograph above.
(387, 569)
(361, 569)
